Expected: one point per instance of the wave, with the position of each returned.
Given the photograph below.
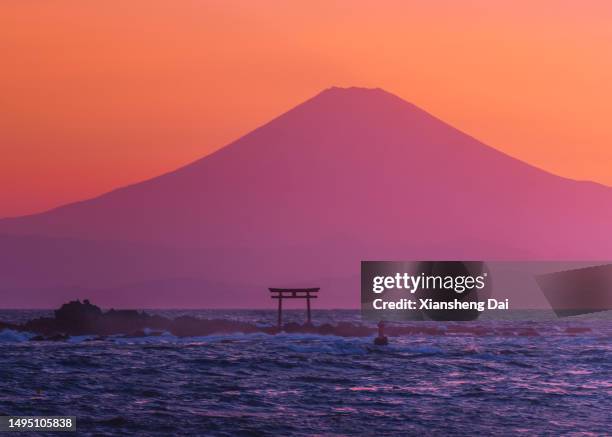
(12, 336)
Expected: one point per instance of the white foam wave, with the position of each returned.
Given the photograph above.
(12, 336)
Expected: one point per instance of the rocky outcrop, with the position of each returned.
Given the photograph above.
(85, 318)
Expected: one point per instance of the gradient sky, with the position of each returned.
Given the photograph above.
(95, 95)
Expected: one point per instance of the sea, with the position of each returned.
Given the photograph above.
(479, 380)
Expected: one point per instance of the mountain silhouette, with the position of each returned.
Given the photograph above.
(351, 174)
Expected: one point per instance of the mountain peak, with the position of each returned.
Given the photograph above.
(351, 174)
(353, 89)
(373, 104)
(354, 92)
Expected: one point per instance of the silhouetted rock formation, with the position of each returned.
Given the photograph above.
(84, 318)
(77, 317)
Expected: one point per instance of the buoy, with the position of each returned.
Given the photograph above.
(382, 339)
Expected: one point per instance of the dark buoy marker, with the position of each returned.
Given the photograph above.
(382, 339)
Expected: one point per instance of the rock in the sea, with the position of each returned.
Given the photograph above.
(381, 340)
(77, 318)
(84, 318)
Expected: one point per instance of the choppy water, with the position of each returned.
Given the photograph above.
(557, 382)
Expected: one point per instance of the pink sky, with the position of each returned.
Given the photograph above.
(97, 95)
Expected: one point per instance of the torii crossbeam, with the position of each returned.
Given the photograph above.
(293, 293)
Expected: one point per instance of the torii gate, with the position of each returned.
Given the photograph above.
(293, 293)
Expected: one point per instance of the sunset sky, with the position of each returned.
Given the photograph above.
(96, 95)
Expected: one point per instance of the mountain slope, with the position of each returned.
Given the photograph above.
(350, 174)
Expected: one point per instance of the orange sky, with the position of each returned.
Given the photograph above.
(95, 95)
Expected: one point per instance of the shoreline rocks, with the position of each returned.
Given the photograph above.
(78, 318)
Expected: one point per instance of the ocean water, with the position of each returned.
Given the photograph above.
(554, 380)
